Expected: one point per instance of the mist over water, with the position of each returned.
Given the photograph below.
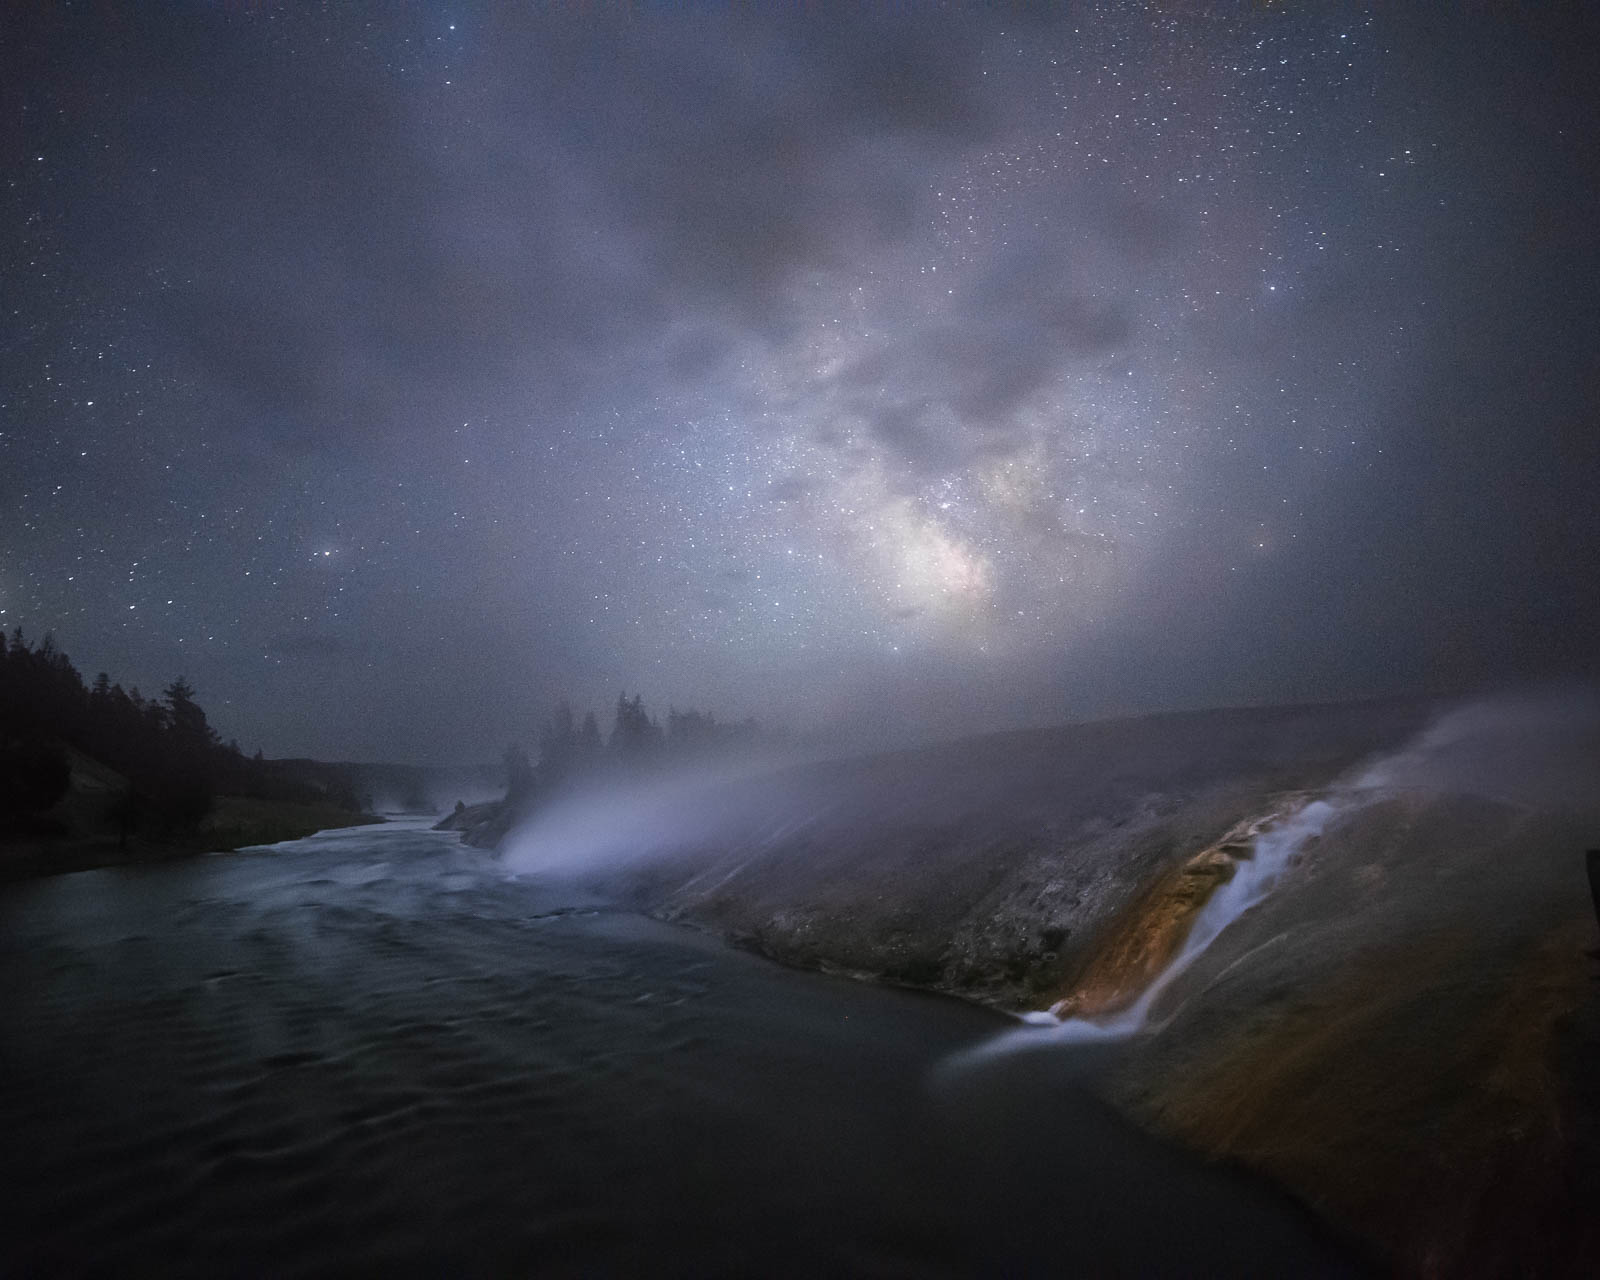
(372, 1050)
(635, 820)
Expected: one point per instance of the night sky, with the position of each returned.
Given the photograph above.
(394, 370)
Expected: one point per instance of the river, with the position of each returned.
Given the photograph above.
(371, 1050)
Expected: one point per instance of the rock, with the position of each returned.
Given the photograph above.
(481, 825)
(1147, 934)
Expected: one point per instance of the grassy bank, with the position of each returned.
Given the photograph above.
(238, 821)
(234, 822)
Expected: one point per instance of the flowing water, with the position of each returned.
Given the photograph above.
(372, 1050)
(1253, 878)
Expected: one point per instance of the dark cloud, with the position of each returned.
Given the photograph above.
(950, 389)
(987, 362)
(358, 256)
(910, 433)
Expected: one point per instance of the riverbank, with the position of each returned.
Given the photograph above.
(1402, 1032)
(235, 822)
(371, 1052)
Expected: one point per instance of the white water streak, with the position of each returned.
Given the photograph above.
(1253, 879)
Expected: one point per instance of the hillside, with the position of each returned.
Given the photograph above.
(983, 867)
(1402, 1030)
(82, 830)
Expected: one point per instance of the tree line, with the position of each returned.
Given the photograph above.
(572, 751)
(174, 762)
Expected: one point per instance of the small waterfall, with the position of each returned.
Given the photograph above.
(1254, 877)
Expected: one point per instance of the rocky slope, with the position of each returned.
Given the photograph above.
(990, 867)
(1406, 1032)
(1403, 1031)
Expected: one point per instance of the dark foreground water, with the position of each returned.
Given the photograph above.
(370, 1052)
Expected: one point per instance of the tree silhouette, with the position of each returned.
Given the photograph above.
(191, 735)
(519, 773)
(571, 755)
(558, 743)
(590, 747)
(634, 736)
(171, 757)
(32, 779)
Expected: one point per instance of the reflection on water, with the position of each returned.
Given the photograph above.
(372, 1050)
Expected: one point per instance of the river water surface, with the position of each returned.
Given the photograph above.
(371, 1050)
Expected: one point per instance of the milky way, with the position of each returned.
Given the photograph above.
(396, 370)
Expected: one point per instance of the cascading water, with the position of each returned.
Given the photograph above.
(1253, 879)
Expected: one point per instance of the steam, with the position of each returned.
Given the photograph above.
(1537, 751)
(606, 826)
(1533, 750)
